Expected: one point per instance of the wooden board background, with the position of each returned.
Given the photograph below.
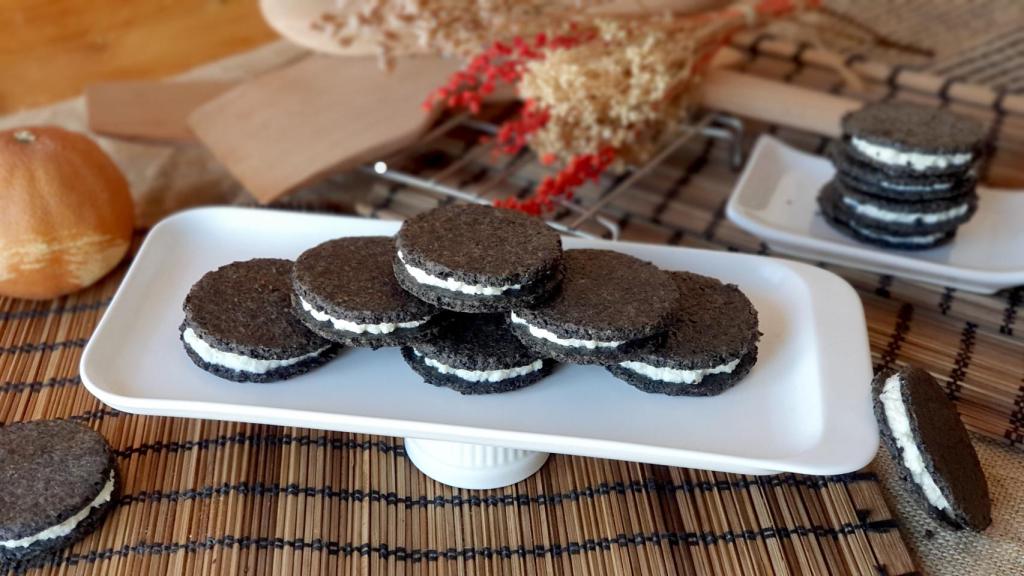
(52, 49)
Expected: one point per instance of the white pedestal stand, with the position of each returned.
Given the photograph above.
(473, 466)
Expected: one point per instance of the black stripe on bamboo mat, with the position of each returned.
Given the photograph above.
(476, 500)
(899, 335)
(1013, 300)
(243, 439)
(55, 310)
(402, 554)
(38, 385)
(31, 348)
(954, 385)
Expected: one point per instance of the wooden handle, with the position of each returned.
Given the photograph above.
(776, 102)
(148, 109)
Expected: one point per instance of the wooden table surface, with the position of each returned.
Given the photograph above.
(50, 50)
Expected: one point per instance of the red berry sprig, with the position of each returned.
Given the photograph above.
(504, 62)
(512, 134)
(500, 62)
(576, 172)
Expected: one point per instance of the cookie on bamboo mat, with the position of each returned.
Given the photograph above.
(475, 258)
(476, 354)
(912, 139)
(239, 324)
(859, 176)
(923, 432)
(346, 291)
(59, 481)
(710, 347)
(873, 231)
(608, 304)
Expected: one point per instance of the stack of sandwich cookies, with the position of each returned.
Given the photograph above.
(608, 304)
(710, 347)
(894, 223)
(59, 482)
(923, 432)
(346, 291)
(476, 259)
(476, 354)
(858, 175)
(905, 175)
(239, 324)
(481, 300)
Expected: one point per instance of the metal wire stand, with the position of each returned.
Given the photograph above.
(573, 214)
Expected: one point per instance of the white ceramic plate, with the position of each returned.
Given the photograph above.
(775, 199)
(805, 407)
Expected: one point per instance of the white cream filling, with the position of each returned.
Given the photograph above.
(239, 362)
(876, 213)
(916, 160)
(677, 376)
(921, 239)
(899, 424)
(481, 375)
(356, 328)
(905, 187)
(571, 342)
(67, 526)
(424, 277)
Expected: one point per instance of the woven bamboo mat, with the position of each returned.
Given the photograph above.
(976, 41)
(227, 498)
(205, 497)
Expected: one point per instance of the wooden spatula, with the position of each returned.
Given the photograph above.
(148, 109)
(286, 128)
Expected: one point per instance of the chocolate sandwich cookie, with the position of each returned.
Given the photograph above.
(239, 324)
(900, 218)
(346, 291)
(474, 258)
(59, 481)
(911, 139)
(843, 220)
(856, 175)
(476, 354)
(608, 304)
(710, 347)
(923, 432)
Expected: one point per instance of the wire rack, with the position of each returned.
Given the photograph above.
(437, 168)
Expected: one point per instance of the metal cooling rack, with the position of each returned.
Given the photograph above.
(518, 174)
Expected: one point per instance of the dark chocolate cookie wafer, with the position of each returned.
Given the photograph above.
(474, 258)
(346, 291)
(476, 354)
(923, 432)
(239, 324)
(839, 218)
(899, 218)
(59, 481)
(905, 138)
(711, 346)
(608, 304)
(857, 175)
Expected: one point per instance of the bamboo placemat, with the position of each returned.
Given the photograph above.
(205, 497)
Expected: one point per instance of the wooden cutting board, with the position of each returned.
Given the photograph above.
(294, 125)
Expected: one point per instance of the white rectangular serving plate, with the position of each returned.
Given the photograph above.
(776, 200)
(805, 407)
